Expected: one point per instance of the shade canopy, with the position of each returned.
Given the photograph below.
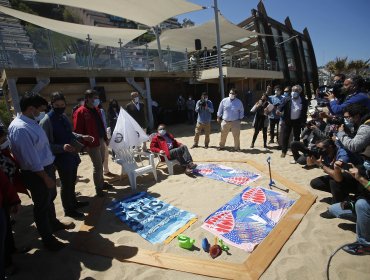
(148, 12)
(99, 35)
(183, 38)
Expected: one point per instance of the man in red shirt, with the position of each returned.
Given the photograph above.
(166, 145)
(87, 120)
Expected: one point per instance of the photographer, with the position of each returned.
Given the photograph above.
(356, 116)
(312, 133)
(352, 88)
(204, 108)
(359, 208)
(332, 159)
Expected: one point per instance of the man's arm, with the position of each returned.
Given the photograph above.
(359, 142)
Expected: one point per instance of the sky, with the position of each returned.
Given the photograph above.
(338, 28)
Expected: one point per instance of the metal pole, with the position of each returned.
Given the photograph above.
(90, 64)
(221, 75)
(168, 59)
(51, 46)
(120, 50)
(147, 56)
(156, 31)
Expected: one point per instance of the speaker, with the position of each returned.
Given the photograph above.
(198, 44)
(101, 91)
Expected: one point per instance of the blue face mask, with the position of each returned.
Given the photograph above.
(349, 125)
(96, 102)
(295, 95)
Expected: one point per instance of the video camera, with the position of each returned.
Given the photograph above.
(316, 152)
(335, 89)
(203, 103)
(336, 120)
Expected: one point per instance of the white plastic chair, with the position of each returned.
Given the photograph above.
(126, 158)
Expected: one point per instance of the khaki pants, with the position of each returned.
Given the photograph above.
(97, 157)
(207, 131)
(234, 126)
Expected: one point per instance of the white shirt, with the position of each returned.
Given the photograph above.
(295, 108)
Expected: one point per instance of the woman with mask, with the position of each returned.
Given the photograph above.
(260, 121)
(65, 147)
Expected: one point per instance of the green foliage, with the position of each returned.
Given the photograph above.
(342, 65)
(5, 116)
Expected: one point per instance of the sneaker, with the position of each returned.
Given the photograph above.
(235, 149)
(326, 215)
(220, 148)
(357, 249)
(252, 146)
(54, 245)
(80, 204)
(283, 155)
(293, 161)
(58, 225)
(74, 214)
(194, 146)
(265, 146)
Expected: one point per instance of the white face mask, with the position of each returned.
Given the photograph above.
(206, 99)
(5, 145)
(162, 131)
(96, 102)
(40, 116)
(232, 96)
(189, 98)
(136, 99)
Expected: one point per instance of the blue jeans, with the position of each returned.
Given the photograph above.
(362, 207)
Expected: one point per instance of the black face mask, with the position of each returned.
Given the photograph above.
(59, 111)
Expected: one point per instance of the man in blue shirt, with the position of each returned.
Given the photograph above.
(30, 146)
(354, 87)
(274, 119)
(204, 108)
(229, 115)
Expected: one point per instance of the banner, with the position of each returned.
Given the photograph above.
(226, 174)
(249, 217)
(127, 133)
(155, 220)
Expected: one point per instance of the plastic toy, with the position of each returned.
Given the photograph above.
(223, 246)
(205, 245)
(215, 250)
(185, 241)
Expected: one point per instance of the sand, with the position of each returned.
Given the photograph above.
(304, 256)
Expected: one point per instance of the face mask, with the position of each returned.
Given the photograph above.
(82, 103)
(295, 95)
(232, 96)
(39, 117)
(205, 99)
(349, 125)
(366, 165)
(96, 102)
(162, 132)
(136, 99)
(59, 111)
(278, 92)
(189, 98)
(5, 145)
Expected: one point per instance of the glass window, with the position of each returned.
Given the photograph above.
(278, 49)
(290, 56)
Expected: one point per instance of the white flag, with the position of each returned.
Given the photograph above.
(127, 133)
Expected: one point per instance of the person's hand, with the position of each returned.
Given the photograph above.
(341, 128)
(330, 96)
(219, 120)
(309, 161)
(278, 113)
(88, 138)
(162, 152)
(50, 183)
(15, 208)
(316, 161)
(354, 171)
(323, 115)
(69, 148)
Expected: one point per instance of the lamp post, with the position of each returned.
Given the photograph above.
(120, 50)
(90, 62)
(218, 45)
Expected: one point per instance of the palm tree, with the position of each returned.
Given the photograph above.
(358, 65)
(339, 65)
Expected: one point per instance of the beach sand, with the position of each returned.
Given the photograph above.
(304, 256)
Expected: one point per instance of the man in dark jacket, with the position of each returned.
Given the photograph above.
(136, 110)
(87, 120)
(294, 111)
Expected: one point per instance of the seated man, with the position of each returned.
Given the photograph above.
(166, 145)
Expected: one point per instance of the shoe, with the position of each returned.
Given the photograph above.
(192, 165)
(107, 186)
(188, 171)
(326, 215)
(80, 204)
(206, 147)
(293, 161)
(54, 245)
(279, 148)
(252, 146)
(271, 142)
(194, 146)
(74, 214)
(357, 249)
(109, 174)
(100, 193)
(283, 155)
(58, 225)
(220, 148)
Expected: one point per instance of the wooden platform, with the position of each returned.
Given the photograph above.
(252, 268)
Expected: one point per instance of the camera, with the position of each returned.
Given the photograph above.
(348, 205)
(336, 120)
(335, 89)
(202, 103)
(315, 152)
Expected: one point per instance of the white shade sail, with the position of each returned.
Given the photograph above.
(183, 38)
(99, 35)
(148, 12)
